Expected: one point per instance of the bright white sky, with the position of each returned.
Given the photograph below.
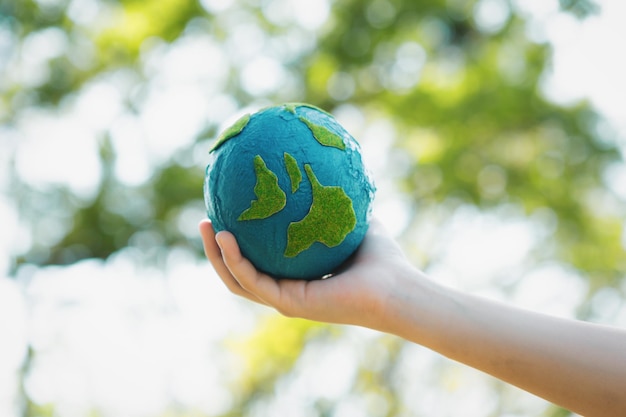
(590, 60)
(94, 321)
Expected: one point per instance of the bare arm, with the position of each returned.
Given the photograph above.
(577, 365)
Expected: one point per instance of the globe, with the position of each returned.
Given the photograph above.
(289, 182)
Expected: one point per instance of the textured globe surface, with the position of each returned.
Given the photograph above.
(289, 183)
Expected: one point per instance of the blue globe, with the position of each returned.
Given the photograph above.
(290, 184)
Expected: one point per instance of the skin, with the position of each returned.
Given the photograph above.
(577, 365)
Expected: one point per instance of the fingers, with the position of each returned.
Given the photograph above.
(211, 249)
(214, 254)
(264, 287)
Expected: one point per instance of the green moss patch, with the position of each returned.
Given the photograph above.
(291, 107)
(270, 198)
(323, 135)
(232, 131)
(329, 220)
(294, 172)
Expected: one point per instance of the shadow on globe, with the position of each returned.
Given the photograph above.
(290, 184)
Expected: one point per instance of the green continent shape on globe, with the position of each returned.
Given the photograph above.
(329, 220)
(295, 176)
(291, 108)
(270, 198)
(323, 135)
(232, 131)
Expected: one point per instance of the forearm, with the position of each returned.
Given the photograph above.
(577, 365)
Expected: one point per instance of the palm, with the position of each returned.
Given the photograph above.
(354, 295)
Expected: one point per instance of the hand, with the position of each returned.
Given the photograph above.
(580, 366)
(357, 295)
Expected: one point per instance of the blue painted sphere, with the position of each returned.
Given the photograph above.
(289, 183)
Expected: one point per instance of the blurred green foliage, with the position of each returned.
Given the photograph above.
(471, 123)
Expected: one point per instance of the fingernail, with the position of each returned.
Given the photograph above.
(218, 240)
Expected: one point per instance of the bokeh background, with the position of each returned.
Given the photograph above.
(495, 130)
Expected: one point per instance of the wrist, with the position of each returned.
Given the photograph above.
(419, 310)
